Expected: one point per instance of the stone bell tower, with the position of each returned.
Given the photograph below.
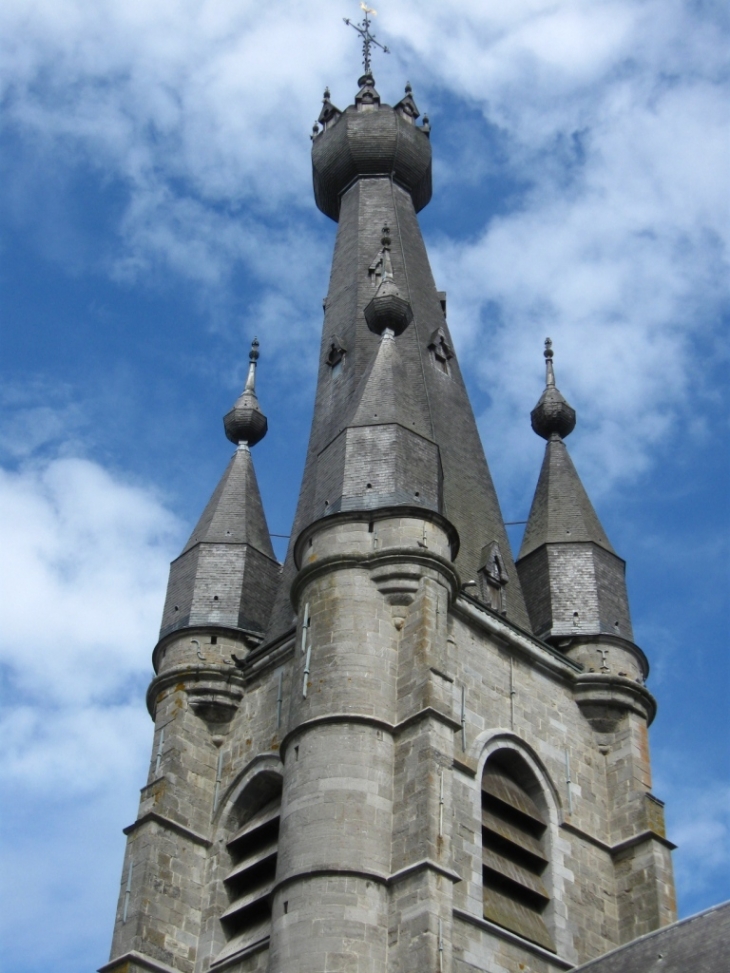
(400, 751)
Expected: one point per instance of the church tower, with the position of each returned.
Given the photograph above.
(399, 751)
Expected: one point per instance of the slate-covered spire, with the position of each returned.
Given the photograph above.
(227, 573)
(573, 581)
(392, 420)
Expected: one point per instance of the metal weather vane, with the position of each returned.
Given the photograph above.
(368, 40)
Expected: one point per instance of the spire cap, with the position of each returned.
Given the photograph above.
(246, 423)
(552, 416)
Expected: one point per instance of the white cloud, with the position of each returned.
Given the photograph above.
(613, 113)
(84, 567)
(699, 821)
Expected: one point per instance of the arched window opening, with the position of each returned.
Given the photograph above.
(493, 578)
(253, 849)
(514, 853)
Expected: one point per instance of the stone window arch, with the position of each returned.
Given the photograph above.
(515, 847)
(252, 848)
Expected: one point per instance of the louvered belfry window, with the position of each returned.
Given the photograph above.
(253, 850)
(513, 850)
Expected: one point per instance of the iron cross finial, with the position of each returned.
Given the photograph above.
(368, 39)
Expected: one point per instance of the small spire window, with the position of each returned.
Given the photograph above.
(493, 578)
(335, 356)
(441, 353)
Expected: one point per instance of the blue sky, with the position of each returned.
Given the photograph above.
(156, 214)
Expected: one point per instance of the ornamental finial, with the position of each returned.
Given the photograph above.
(246, 424)
(368, 40)
(552, 416)
(548, 353)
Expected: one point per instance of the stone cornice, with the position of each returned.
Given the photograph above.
(364, 719)
(224, 674)
(614, 692)
(139, 960)
(511, 636)
(156, 818)
(376, 559)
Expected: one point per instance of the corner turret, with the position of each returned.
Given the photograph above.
(572, 578)
(227, 573)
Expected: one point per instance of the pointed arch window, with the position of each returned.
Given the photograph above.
(253, 852)
(336, 356)
(514, 852)
(441, 352)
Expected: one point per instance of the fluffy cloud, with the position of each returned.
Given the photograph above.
(611, 116)
(84, 569)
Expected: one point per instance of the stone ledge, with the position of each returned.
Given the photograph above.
(620, 846)
(425, 864)
(510, 636)
(153, 816)
(240, 954)
(639, 839)
(486, 926)
(134, 960)
(364, 719)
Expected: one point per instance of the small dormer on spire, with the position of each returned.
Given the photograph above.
(552, 416)
(246, 424)
(407, 106)
(329, 113)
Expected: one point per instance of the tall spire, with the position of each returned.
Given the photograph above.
(392, 420)
(227, 573)
(572, 579)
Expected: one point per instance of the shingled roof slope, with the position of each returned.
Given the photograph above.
(699, 944)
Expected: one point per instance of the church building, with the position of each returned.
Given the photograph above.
(401, 751)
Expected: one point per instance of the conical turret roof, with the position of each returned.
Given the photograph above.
(572, 578)
(227, 574)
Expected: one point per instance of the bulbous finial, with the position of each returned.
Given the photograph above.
(246, 424)
(552, 416)
(409, 89)
(388, 310)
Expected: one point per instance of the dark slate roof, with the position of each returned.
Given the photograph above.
(700, 944)
(432, 403)
(235, 514)
(561, 512)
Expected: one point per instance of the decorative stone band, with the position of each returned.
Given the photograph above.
(428, 712)
(368, 875)
(375, 516)
(604, 697)
(132, 962)
(378, 559)
(248, 637)
(214, 691)
(153, 817)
